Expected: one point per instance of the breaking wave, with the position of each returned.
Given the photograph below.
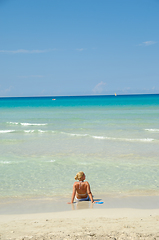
(5, 162)
(111, 138)
(80, 135)
(125, 139)
(75, 134)
(7, 131)
(28, 124)
(152, 130)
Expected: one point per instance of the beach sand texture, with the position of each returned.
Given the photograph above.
(82, 224)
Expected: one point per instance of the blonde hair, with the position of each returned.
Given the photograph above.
(79, 175)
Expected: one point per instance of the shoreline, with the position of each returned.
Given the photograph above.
(59, 204)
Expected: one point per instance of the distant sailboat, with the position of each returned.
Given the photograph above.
(53, 99)
(115, 94)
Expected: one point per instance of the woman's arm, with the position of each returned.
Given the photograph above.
(89, 192)
(73, 193)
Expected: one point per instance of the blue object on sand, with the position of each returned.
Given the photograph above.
(99, 202)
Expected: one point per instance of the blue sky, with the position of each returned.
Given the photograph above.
(76, 47)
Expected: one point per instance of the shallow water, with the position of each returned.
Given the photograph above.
(114, 140)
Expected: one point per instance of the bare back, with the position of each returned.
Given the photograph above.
(82, 189)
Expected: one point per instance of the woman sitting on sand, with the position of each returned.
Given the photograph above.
(81, 189)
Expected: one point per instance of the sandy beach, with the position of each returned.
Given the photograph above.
(84, 221)
(82, 224)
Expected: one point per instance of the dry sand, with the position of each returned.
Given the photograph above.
(118, 218)
(123, 223)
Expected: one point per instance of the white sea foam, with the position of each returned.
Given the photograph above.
(125, 139)
(7, 131)
(14, 123)
(75, 134)
(41, 131)
(31, 131)
(101, 137)
(111, 138)
(50, 161)
(5, 162)
(78, 135)
(28, 131)
(152, 130)
(33, 124)
(27, 124)
(138, 140)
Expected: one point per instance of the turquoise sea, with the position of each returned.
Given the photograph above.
(45, 142)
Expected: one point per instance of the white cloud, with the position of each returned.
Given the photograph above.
(99, 87)
(26, 51)
(9, 89)
(80, 49)
(147, 43)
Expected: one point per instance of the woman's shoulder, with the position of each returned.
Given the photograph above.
(86, 182)
(75, 183)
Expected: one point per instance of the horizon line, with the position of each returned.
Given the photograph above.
(84, 95)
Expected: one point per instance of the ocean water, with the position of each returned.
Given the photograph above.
(45, 142)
